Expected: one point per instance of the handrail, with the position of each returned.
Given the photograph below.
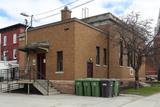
(42, 76)
(33, 74)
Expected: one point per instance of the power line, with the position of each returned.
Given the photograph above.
(82, 4)
(70, 9)
(48, 16)
(57, 8)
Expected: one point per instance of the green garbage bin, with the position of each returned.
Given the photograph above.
(116, 87)
(79, 87)
(87, 87)
(95, 87)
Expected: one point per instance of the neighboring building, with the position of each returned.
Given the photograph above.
(157, 28)
(9, 42)
(153, 62)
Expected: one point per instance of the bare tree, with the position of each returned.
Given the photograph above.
(137, 39)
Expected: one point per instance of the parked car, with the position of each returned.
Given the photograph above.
(150, 78)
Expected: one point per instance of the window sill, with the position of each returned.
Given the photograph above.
(59, 72)
(122, 66)
(125, 66)
(104, 65)
(98, 65)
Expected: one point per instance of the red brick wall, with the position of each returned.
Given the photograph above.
(64, 86)
(10, 46)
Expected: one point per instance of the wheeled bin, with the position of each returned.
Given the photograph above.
(95, 87)
(87, 87)
(79, 87)
(106, 88)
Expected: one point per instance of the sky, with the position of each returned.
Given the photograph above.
(41, 9)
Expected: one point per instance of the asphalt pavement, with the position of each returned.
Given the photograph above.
(65, 100)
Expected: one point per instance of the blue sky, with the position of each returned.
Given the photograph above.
(3, 13)
(10, 13)
(119, 7)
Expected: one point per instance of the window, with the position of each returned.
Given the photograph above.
(98, 55)
(4, 40)
(104, 56)
(5, 55)
(121, 54)
(129, 57)
(0, 38)
(59, 61)
(14, 53)
(14, 38)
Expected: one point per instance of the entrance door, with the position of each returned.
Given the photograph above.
(89, 69)
(41, 65)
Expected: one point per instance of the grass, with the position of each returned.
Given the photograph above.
(144, 91)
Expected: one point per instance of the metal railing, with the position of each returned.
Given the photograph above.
(10, 76)
(9, 87)
(36, 76)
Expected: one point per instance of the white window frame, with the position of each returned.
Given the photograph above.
(0, 38)
(14, 38)
(4, 55)
(14, 53)
(5, 40)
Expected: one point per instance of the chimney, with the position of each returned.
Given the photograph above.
(65, 13)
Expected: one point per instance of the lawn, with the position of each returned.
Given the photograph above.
(145, 91)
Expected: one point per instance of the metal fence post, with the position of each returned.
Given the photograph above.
(48, 87)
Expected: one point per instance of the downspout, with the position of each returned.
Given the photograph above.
(108, 46)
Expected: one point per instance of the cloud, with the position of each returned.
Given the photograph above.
(119, 6)
(148, 9)
(6, 22)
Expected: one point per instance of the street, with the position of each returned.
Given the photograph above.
(64, 100)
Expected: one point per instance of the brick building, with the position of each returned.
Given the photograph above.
(153, 63)
(73, 48)
(9, 42)
(119, 62)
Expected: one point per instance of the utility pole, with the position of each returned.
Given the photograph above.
(26, 43)
(28, 26)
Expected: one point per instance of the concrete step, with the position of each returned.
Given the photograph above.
(42, 86)
(54, 93)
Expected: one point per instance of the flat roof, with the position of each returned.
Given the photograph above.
(67, 21)
(12, 26)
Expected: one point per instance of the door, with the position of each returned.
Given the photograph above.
(89, 69)
(41, 65)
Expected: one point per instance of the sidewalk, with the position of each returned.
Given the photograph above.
(64, 100)
(151, 101)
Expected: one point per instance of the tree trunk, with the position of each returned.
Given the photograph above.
(136, 79)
